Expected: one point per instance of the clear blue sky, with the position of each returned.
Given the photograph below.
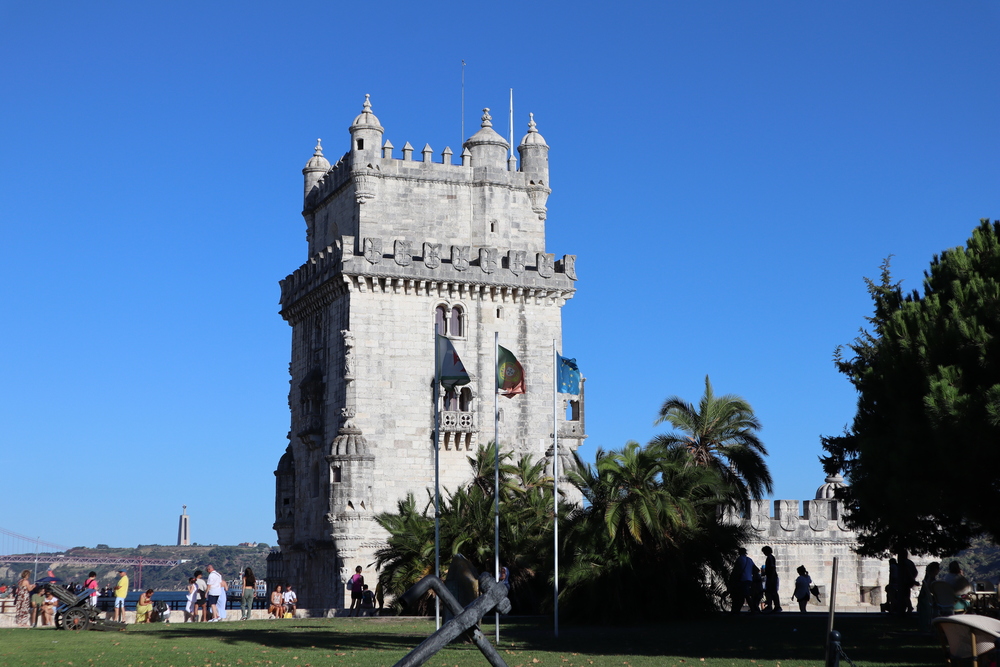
(727, 173)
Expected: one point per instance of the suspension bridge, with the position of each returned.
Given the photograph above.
(16, 548)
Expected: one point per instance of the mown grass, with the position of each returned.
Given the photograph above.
(787, 640)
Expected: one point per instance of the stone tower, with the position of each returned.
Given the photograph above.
(399, 249)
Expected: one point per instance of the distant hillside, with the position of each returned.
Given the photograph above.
(980, 561)
(229, 560)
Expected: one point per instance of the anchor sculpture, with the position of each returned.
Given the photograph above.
(494, 597)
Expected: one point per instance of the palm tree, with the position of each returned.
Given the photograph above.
(648, 536)
(408, 554)
(721, 433)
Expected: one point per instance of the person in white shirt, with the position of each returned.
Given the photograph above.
(214, 591)
(290, 598)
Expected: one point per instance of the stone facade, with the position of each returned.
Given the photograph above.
(812, 535)
(399, 249)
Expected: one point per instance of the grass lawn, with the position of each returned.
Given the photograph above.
(787, 639)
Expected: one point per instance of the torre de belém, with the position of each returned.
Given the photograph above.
(399, 249)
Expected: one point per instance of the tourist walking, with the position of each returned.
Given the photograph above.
(772, 602)
(22, 600)
(802, 588)
(201, 600)
(357, 585)
(742, 582)
(249, 588)
(121, 592)
(214, 584)
(907, 580)
(190, 609)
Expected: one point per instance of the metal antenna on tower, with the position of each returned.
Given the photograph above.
(510, 124)
(462, 141)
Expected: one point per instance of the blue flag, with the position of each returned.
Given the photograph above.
(568, 377)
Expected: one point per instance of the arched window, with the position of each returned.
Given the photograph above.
(440, 318)
(450, 401)
(465, 400)
(456, 323)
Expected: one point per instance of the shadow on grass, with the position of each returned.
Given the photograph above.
(867, 639)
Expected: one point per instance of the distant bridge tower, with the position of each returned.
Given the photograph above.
(184, 529)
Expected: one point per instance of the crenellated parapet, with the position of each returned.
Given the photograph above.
(483, 163)
(482, 273)
(816, 519)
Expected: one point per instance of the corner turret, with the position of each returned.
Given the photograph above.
(488, 149)
(315, 168)
(366, 150)
(535, 165)
(366, 136)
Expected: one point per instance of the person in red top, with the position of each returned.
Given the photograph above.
(357, 585)
(91, 585)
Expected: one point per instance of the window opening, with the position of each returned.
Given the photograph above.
(455, 322)
(465, 400)
(361, 144)
(439, 321)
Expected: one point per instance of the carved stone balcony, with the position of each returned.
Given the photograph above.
(460, 422)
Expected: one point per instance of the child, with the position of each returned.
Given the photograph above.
(802, 584)
(367, 598)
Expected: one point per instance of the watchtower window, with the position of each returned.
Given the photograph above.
(439, 321)
(493, 225)
(456, 323)
(450, 401)
(499, 313)
(465, 400)
(361, 144)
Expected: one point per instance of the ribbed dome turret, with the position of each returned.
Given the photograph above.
(533, 137)
(488, 148)
(828, 490)
(366, 118)
(317, 161)
(349, 441)
(315, 168)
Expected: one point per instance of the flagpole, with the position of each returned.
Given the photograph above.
(496, 471)
(555, 482)
(437, 475)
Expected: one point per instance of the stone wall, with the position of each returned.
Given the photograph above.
(812, 534)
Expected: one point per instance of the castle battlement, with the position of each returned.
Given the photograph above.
(367, 176)
(478, 273)
(819, 518)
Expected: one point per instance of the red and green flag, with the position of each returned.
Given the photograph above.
(510, 373)
(450, 370)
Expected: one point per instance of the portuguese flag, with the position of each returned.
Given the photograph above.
(510, 374)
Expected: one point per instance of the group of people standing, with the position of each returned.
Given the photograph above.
(206, 598)
(757, 587)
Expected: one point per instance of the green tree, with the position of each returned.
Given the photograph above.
(467, 527)
(921, 452)
(721, 434)
(648, 541)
